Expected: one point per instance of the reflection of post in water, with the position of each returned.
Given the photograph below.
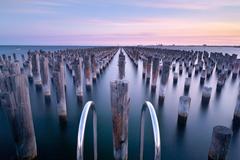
(16, 104)
(121, 65)
(120, 111)
(155, 67)
(221, 138)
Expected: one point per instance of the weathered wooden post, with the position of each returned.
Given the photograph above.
(29, 70)
(16, 104)
(45, 77)
(149, 63)
(58, 76)
(155, 67)
(144, 72)
(87, 71)
(236, 116)
(206, 94)
(120, 110)
(183, 109)
(221, 138)
(187, 84)
(36, 71)
(221, 81)
(121, 65)
(175, 78)
(94, 67)
(203, 76)
(161, 94)
(165, 72)
(78, 79)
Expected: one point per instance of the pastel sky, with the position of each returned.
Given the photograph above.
(119, 22)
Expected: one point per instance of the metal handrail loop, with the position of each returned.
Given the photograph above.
(156, 132)
(81, 130)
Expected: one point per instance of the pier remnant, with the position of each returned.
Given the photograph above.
(121, 65)
(45, 77)
(236, 117)
(15, 101)
(149, 62)
(120, 111)
(87, 71)
(155, 67)
(221, 137)
(206, 94)
(58, 76)
(36, 70)
(78, 79)
(183, 109)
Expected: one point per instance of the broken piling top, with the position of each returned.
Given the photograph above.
(121, 65)
(221, 138)
(184, 106)
(206, 92)
(120, 113)
(15, 101)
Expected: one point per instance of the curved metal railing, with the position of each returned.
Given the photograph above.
(156, 131)
(81, 130)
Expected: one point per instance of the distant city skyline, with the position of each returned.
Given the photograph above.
(124, 22)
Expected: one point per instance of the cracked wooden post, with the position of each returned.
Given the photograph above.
(121, 65)
(221, 138)
(155, 67)
(87, 71)
(120, 111)
(183, 109)
(149, 61)
(16, 104)
(58, 76)
(78, 79)
(36, 71)
(206, 94)
(45, 77)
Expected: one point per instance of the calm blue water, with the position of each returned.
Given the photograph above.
(192, 142)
